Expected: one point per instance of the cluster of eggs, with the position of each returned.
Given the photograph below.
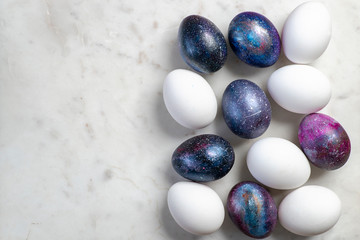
(274, 162)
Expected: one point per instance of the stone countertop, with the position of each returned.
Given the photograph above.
(86, 140)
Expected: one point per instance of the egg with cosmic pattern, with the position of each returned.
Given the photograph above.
(252, 209)
(202, 45)
(324, 141)
(254, 39)
(246, 109)
(203, 158)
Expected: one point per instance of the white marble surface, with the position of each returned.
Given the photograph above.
(85, 138)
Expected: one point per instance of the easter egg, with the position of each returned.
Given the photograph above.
(254, 39)
(309, 210)
(246, 109)
(202, 45)
(203, 158)
(306, 33)
(195, 207)
(299, 88)
(252, 209)
(189, 99)
(324, 141)
(278, 163)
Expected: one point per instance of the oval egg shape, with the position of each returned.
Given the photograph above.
(324, 141)
(278, 163)
(195, 207)
(309, 210)
(254, 39)
(203, 158)
(189, 99)
(306, 32)
(246, 109)
(252, 209)
(202, 45)
(299, 88)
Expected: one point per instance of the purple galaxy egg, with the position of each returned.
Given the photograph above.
(202, 45)
(324, 141)
(246, 109)
(203, 158)
(254, 39)
(252, 209)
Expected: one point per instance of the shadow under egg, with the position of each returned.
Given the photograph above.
(174, 57)
(286, 120)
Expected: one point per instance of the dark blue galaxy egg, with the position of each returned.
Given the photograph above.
(252, 209)
(203, 158)
(254, 39)
(246, 109)
(202, 45)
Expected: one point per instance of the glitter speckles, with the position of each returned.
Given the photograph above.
(254, 39)
(246, 109)
(252, 209)
(202, 45)
(324, 141)
(203, 158)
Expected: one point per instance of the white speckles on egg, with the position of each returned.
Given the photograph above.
(246, 109)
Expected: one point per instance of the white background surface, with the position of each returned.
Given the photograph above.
(86, 140)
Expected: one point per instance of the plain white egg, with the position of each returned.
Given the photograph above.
(299, 88)
(306, 32)
(196, 207)
(278, 163)
(189, 99)
(310, 210)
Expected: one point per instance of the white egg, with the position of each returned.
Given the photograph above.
(299, 88)
(189, 99)
(278, 163)
(309, 210)
(196, 207)
(306, 32)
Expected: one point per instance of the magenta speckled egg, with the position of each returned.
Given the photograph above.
(324, 141)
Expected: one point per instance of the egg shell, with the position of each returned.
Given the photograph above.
(246, 109)
(278, 163)
(254, 39)
(195, 207)
(306, 32)
(202, 45)
(252, 209)
(203, 158)
(309, 210)
(324, 141)
(299, 88)
(189, 99)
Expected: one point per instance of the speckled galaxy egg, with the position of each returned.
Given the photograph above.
(246, 109)
(202, 45)
(324, 141)
(203, 158)
(252, 209)
(254, 39)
